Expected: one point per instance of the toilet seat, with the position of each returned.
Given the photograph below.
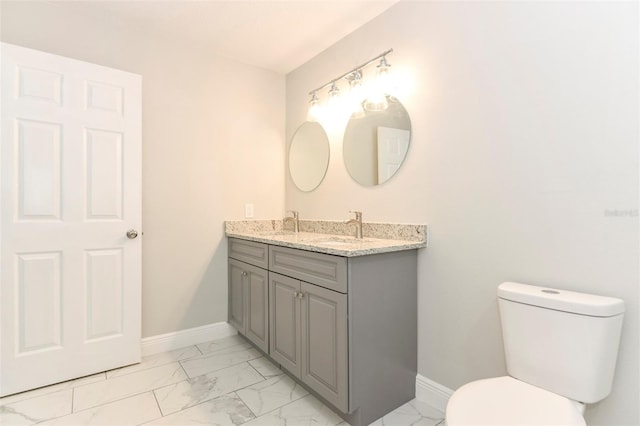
(505, 401)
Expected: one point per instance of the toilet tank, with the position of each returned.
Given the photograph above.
(561, 341)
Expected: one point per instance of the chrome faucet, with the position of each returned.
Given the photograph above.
(294, 219)
(358, 222)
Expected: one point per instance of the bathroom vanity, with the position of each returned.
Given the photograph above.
(336, 313)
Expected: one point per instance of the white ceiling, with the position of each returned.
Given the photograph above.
(276, 35)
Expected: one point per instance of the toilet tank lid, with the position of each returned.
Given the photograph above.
(561, 300)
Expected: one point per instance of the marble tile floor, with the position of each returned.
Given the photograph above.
(223, 382)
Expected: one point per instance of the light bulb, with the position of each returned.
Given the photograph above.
(356, 94)
(383, 79)
(377, 99)
(314, 108)
(334, 96)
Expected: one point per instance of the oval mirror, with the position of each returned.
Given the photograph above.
(376, 143)
(308, 156)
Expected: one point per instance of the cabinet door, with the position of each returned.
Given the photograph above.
(257, 325)
(284, 321)
(324, 343)
(237, 295)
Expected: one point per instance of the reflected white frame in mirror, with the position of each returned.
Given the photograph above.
(376, 143)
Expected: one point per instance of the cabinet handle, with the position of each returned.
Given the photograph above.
(300, 295)
(244, 273)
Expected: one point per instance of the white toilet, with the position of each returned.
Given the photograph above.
(561, 349)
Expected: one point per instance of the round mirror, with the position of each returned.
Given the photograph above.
(308, 156)
(376, 143)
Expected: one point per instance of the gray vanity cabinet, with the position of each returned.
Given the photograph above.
(308, 327)
(249, 294)
(346, 327)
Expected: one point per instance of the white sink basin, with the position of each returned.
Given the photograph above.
(337, 241)
(332, 243)
(276, 233)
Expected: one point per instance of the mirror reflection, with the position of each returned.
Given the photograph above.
(308, 156)
(376, 143)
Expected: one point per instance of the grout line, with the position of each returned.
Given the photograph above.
(115, 400)
(199, 350)
(255, 416)
(243, 403)
(222, 368)
(248, 386)
(188, 407)
(214, 352)
(49, 389)
(158, 404)
(138, 393)
(104, 379)
(256, 370)
(8, 397)
(279, 377)
(289, 403)
(100, 405)
(184, 371)
(167, 361)
(210, 399)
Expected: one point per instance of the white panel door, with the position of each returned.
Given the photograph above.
(393, 145)
(70, 278)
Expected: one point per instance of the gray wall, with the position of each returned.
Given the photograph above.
(212, 139)
(524, 146)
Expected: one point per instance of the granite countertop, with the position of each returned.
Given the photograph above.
(272, 232)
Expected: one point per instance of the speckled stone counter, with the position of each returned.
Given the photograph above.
(331, 237)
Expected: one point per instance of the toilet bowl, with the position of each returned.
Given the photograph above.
(505, 401)
(561, 349)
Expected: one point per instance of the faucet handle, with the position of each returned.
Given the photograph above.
(358, 214)
(295, 213)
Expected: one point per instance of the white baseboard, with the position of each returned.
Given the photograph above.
(432, 393)
(191, 336)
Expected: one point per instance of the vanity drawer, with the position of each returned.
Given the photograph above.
(316, 268)
(250, 252)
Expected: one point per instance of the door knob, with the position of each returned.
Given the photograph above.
(131, 234)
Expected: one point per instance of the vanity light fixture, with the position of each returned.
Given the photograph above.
(376, 100)
(314, 108)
